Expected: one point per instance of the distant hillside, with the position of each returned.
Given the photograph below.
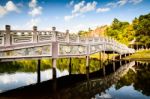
(99, 31)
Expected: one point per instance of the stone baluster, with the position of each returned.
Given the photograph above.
(54, 33)
(7, 38)
(35, 34)
(67, 36)
(78, 39)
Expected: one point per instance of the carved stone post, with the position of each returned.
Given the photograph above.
(120, 56)
(87, 61)
(67, 36)
(54, 56)
(7, 38)
(35, 34)
(54, 33)
(113, 56)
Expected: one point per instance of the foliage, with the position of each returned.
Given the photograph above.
(139, 79)
(142, 28)
(77, 65)
(125, 32)
(121, 31)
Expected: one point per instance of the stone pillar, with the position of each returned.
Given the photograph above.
(120, 56)
(54, 67)
(35, 34)
(113, 56)
(67, 36)
(38, 71)
(54, 57)
(7, 38)
(87, 61)
(54, 33)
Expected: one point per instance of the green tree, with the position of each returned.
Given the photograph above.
(142, 28)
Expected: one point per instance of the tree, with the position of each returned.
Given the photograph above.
(142, 28)
(122, 31)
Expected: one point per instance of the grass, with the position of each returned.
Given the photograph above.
(140, 55)
(104, 56)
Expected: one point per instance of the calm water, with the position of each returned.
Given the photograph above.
(119, 80)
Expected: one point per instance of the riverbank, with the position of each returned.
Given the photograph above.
(139, 55)
(104, 56)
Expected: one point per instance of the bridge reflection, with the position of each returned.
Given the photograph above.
(76, 86)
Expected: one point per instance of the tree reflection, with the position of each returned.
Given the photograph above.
(140, 79)
(77, 65)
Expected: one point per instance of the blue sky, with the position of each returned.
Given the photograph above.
(74, 15)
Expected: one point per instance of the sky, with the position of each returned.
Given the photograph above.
(73, 15)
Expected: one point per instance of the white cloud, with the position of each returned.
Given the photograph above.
(102, 10)
(35, 9)
(33, 22)
(111, 4)
(123, 2)
(9, 7)
(135, 1)
(118, 3)
(81, 8)
(78, 6)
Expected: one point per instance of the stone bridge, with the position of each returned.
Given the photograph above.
(35, 44)
(22, 44)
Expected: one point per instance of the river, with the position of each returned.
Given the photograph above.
(107, 80)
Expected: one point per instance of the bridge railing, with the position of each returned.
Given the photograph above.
(10, 38)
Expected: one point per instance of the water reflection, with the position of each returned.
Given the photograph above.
(108, 80)
(18, 79)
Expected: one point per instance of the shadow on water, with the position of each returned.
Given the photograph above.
(114, 80)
